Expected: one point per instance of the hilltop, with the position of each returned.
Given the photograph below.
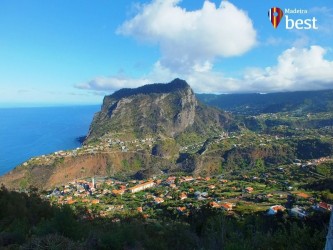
(161, 110)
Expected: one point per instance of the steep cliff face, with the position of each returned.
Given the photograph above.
(156, 109)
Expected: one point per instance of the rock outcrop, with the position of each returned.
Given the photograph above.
(157, 109)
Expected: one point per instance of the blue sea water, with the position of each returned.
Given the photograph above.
(29, 132)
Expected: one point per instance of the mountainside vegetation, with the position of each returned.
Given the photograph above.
(299, 101)
(161, 110)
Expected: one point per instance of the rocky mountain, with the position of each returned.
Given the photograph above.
(170, 113)
(163, 110)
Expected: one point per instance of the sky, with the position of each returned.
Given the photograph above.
(62, 52)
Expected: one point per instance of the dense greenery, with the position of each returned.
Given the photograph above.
(313, 148)
(26, 220)
(305, 101)
(320, 185)
(256, 156)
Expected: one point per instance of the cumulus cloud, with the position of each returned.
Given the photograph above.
(190, 40)
(296, 69)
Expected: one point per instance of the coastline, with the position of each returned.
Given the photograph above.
(32, 132)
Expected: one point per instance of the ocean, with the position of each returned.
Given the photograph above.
(29, 132)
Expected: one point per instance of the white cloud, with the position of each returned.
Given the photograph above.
(190, 40)
(112, 83)
(296, 69)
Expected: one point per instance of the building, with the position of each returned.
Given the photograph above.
(95, 201)
(70, 202)
(200, 196)
(181, 209)
(170, 180)
(298, 212)
(158, 200)
(302, 195)
(249, 190)
(139, 209)
(325, 206)
(117, 192)
(227, 206)
(182, 196)
(214, 204)
(187, 178)
(274, 209)
(141, 187)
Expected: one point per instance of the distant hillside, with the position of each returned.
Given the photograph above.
(300, 101)
(166, 110)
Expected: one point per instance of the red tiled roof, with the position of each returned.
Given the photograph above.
(227, 205)
(303, 195)
(214, 204)
(71, 202)
(324, 205)
(278, 208)
(158, 200)
(183, 196)
(181, 209)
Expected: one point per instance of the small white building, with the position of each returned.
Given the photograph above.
(298, 212)
(141, 187)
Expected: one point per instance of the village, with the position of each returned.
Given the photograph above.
(177, 196)
(105, 145)
(269, 190)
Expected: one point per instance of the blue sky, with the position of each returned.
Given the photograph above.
(74, 52)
